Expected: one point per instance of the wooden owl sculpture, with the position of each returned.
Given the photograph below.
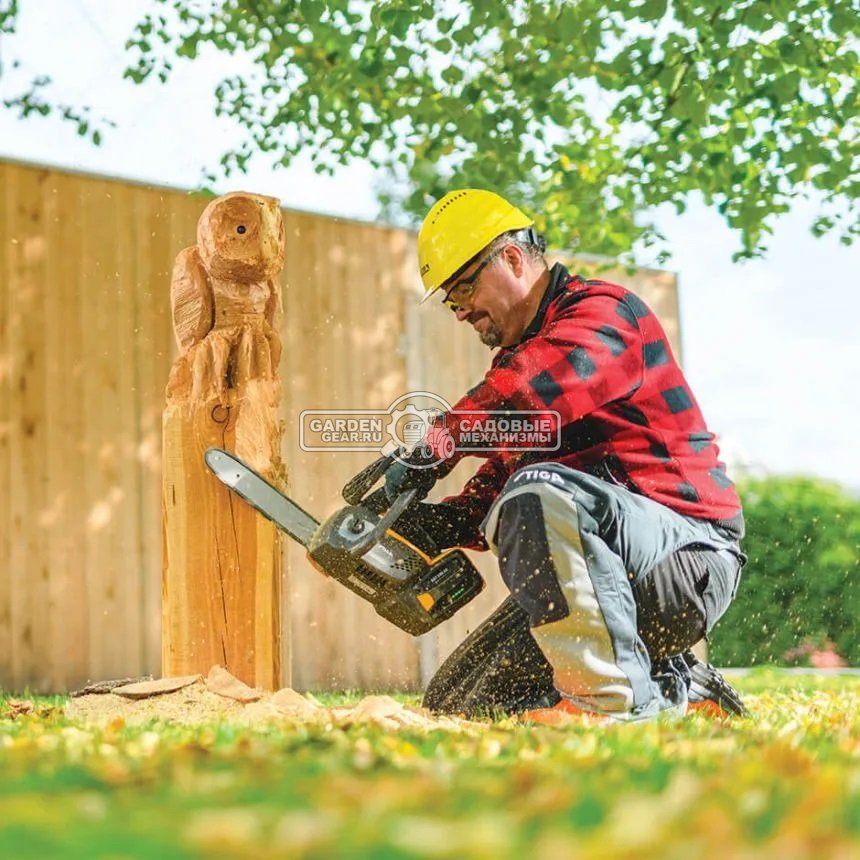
(223, 294)
(222, 561)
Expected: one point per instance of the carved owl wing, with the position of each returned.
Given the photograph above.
(191, 299)
(274, 315)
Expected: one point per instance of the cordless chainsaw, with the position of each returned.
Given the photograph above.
(360, 546)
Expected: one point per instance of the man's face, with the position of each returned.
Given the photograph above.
(489, 296)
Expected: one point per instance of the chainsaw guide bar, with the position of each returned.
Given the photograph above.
(262, 496)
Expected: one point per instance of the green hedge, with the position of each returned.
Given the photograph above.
(799, 590)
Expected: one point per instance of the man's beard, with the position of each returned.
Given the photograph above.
(492, 337)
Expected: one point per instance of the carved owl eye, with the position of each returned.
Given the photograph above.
(240, 229)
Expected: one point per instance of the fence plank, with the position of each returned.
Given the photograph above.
(311, 596)
(63, 518)
(7, 368)
(152, 355)
(28, 563)
(127, 575)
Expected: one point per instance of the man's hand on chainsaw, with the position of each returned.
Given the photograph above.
(448, 525)
(434, 526)
(416, 471)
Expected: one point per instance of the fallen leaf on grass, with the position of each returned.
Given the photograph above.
(18, 707)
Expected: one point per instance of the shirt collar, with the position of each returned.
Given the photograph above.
(559, 277)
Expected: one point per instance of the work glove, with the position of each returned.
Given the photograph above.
(433, 527)
(447, 524)
(416, 471)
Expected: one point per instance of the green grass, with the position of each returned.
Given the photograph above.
(785, 783)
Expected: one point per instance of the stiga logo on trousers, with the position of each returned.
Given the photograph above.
(539, 475)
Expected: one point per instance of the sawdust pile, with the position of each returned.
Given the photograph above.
(220, 697)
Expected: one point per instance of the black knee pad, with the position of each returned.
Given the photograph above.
(525, 559)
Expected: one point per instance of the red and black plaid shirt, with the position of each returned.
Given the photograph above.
(597, 355)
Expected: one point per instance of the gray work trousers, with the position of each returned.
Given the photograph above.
(604, 583)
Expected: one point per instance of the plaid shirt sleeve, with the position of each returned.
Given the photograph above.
(589, 355)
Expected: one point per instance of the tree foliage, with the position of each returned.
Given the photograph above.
(590, 112)
(34, 98)
(800, 586)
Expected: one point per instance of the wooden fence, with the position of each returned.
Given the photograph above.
(85, 348)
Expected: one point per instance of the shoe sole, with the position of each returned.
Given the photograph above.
(707, 685)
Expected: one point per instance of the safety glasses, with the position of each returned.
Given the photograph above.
(461, 289)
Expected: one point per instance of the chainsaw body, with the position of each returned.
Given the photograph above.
(413, 589)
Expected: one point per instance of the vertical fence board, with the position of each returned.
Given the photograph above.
(128, 575)
(382, 655)
(63, 519)
(28, 563)
(348, 373)
(291, 363)
(153, 253)
(343, 303)
(311, 596)
(151, 357)
(100, 390)
(7, 357)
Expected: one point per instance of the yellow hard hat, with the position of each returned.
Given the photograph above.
(457, 227)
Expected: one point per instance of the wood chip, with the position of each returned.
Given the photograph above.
(145, 689)
(377, 707)
(385, 712)
(289, 701)
(100, 687)
(220, 681)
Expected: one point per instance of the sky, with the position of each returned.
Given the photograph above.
(771, 348)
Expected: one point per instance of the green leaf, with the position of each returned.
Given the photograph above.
(452, 75)
(401, 24)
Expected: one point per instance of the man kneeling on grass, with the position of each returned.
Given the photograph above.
(621, 548)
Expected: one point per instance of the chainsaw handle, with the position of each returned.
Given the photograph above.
(377, 502)
(356, 487)
(401, 503)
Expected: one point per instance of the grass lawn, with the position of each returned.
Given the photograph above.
(783, 784)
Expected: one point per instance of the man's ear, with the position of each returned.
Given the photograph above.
(515, 258)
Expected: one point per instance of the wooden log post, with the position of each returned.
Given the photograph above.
(222, 560)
